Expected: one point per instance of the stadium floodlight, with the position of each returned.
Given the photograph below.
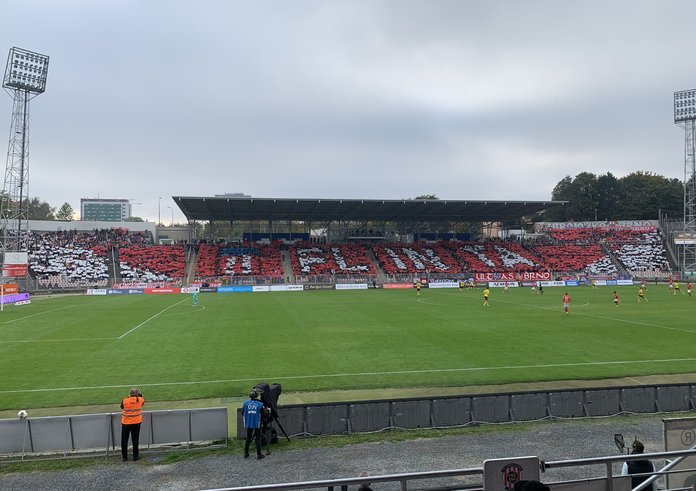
(685, 117)
(684, 105)
(25, 79)
(26, 70)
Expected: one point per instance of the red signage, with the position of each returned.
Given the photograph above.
(9, 288)
(162, 290)
(510, 276)
(14, 270)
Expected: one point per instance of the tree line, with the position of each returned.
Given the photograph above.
(637, 196)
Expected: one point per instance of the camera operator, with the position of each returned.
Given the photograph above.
(643, 466)
(131, 419)
(252, 413)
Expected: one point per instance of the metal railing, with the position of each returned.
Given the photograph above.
(405, 479)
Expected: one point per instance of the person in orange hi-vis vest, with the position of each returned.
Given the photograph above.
(131, 419)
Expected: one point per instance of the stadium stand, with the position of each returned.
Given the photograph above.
(640, 252)
(571, 258)
(68, 259)
(245, 259)
(72, 259)
(415, 258)
(152, 262)
(323, 259)
(496, 256)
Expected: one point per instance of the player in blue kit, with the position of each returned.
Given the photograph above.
(252, 412)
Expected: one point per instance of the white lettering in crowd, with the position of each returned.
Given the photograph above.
(307, 258)
(476, 250)
(510, 259)
(419, 259)
(342, 264)
(396, 259)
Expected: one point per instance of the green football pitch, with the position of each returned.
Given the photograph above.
(79, 350)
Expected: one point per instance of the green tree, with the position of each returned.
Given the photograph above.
(642, 194)
(637, 196)
(40, 210)
(581, 194)
(427, 196)
(65, 213)
(607, 193)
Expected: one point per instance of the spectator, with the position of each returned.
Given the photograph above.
(530, 486)
(366, 485)
(642, 466)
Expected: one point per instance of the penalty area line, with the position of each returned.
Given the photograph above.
(357, 374)
(148, 320)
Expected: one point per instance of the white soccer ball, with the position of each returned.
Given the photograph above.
(22, 414)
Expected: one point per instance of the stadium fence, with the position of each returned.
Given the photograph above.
(100, 434)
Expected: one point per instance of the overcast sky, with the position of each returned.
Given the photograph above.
(365, 99)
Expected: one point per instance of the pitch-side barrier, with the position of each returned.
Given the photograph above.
(100, 434)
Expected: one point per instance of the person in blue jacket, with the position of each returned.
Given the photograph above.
(252, 412)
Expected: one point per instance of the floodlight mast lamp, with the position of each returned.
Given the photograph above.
(685, 117)
(25, 78)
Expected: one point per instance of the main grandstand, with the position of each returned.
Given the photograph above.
(377, 242)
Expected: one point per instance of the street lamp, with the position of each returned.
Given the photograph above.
(171, 224)
(159, 211)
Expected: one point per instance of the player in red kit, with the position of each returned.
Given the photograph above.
(566, 302)
(616, 299)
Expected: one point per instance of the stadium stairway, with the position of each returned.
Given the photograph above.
(112, 260)
(287, 264)
(191, 259)
(615, 261)
(381, 275)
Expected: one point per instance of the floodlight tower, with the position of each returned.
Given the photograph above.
(25, 78)
(685, 117)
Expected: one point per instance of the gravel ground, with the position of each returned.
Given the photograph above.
(552, 440)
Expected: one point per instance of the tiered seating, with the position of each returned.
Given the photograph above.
(495, 256)
(637, 250)
(239, 260)
(571, 257)
(320, 259)
(256, 260)
(640, 252)
(152, 263)
(207, 261)
(73, 259)
(66, 259)
(415, 258)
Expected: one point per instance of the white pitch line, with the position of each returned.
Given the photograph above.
(358, 374)
(38, 313)
(148, 320)
(59, 340)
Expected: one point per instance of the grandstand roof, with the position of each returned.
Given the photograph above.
(318, 210)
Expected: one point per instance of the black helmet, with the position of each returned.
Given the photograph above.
(253, 394)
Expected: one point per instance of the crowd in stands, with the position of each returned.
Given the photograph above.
(72, 258)
(644, 252)
(152, 262)
(78, 259)
(334, 259)
(394, 258)
(245, 259)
